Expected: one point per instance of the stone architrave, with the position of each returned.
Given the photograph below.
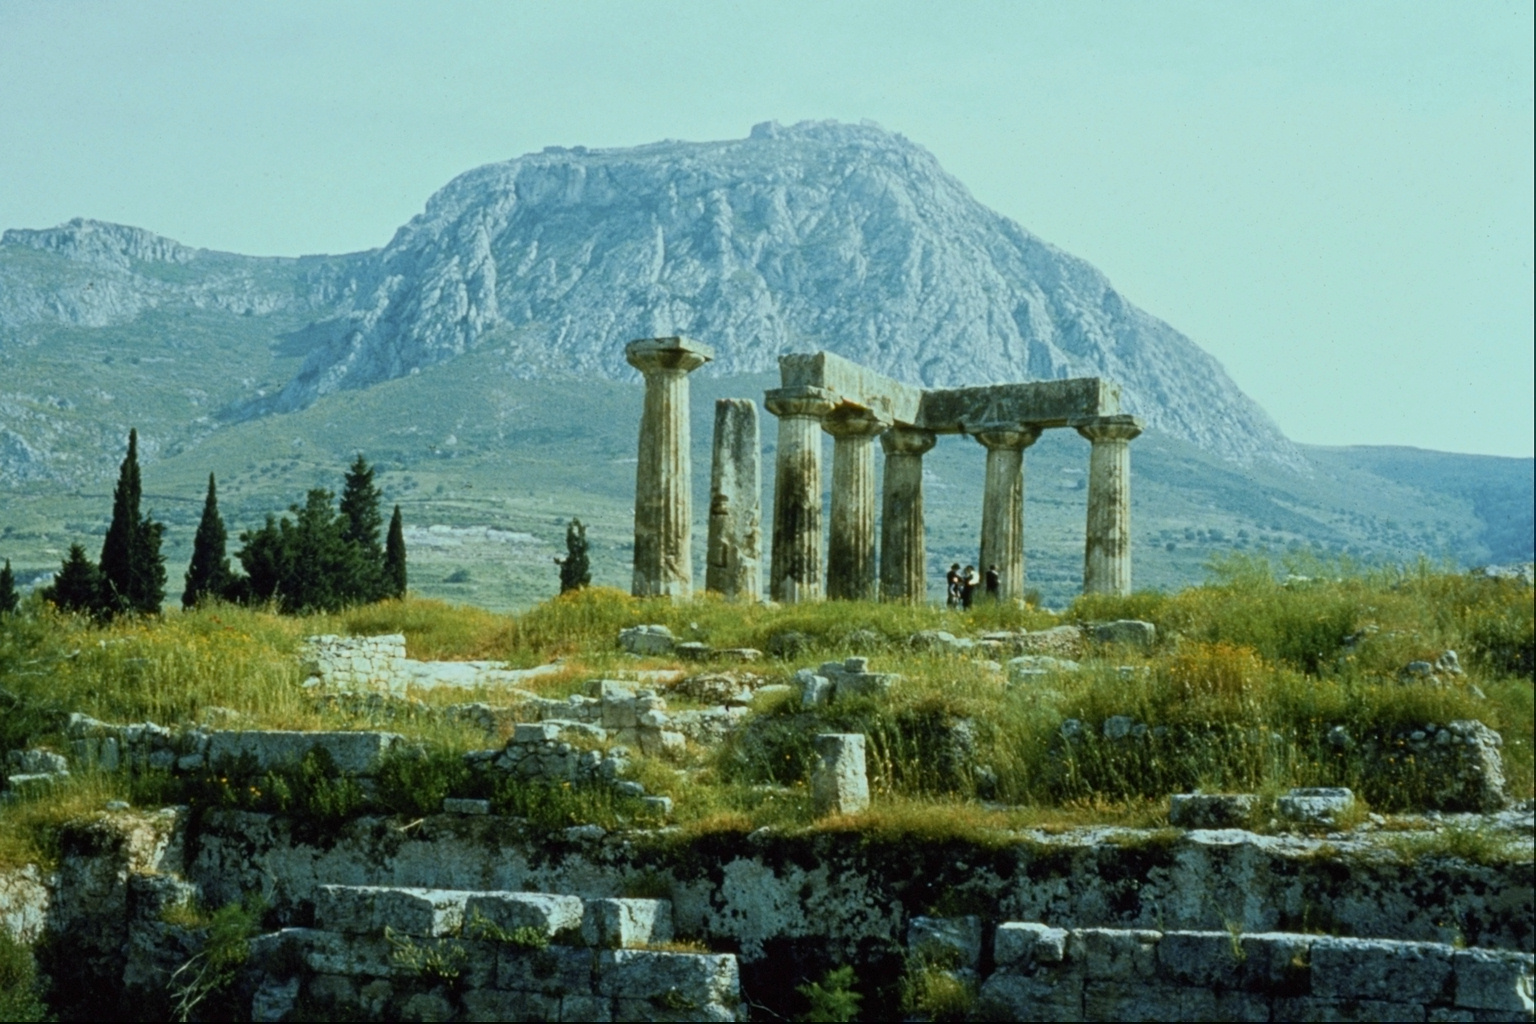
(1107, 546)
(1002, 506)
(903, 554)
(734, 562)
(663, 510)
(795, 574)
(852, 574)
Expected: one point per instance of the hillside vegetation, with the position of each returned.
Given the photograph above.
(1249, 678)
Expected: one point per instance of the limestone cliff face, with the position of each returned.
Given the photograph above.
(843, 237)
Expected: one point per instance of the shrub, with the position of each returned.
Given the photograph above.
(414, 781)
(832, 998)
(18, 981)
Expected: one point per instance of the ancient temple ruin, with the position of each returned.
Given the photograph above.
(857, 406)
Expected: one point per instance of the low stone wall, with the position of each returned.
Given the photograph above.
(1085, 974)
(828, 895)
(357, 662)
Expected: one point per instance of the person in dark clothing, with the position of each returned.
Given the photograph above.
(994, 584)
(952, 584)
(968, 583)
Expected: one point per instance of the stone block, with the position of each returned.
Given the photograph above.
(496, 1005)
(669, 979)
(598, 1009)
(610, 689)
(545, 913)
(1494, 979)
(1322, 805)
(661, 806)
(739, 654)
(326, 952)
(951, 942)
(531, 733)
(1129, 1000)
(36, 762)
(555, 971)
(1211, 810)
(32, 785)
(1382, 969)
(354, 753)
(464, 805)
(1276, 961)
(693, 650)
(647, 640)
(1130, 632)
(626, 923)
(1114, 954)
(855, 664)
(1030, 667)
(369, 909)
(1307, 1008)
(1202, 959)
(840, 781)
(1044, 996)
(1025, 942)
(274, 1000)
(814, 689)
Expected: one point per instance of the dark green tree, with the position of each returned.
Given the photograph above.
(394, 557)
(209, 574)
(78, 586)
(262, 556)
(132, 567)
(575, 567)
(9, 599)
(360, 523)
(320, 565)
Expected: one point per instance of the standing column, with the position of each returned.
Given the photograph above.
(1107, 548)
(1002, 505)
(903, 555)
(663, 512)
(851, 568)
(735, 510)
(796, 570)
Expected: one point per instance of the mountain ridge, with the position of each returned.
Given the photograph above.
(817, 235)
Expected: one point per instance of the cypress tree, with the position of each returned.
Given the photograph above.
(575, 568)
(360, 523)
(9, 599)
(394, 557)
(319, 564)
(209, 573)
(261, 554)
(78, 586)
(132, 568)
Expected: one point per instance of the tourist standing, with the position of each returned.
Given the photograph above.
(952, 585)
(968, 583)
(994, 584)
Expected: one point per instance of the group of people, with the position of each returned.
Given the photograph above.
(961, 585)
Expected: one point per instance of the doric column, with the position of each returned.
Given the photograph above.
(663, 512)
(903, 556)
(1107, 547)
(1002, 503)
(796, 570)
(735, 506)
(851, 568)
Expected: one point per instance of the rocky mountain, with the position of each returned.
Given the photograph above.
(820, 235)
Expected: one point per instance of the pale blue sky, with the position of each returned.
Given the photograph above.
(1335, 199)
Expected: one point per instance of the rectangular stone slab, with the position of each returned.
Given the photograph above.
(355, 753)
(852, 383)
(369, 909)
(1046, 403)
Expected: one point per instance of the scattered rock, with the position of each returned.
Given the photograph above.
(1211, 810)
(1315, 805)
(458, 805)
(840, 782)
(647, 640)
(1030, 667)
(36, 762)
(940, 640)
(1130, 632)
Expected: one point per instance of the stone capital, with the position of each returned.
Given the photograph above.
(1110, 428)
(1020, 435)
(907, 441)
(854, 421)
(810, 402)
(682, 355)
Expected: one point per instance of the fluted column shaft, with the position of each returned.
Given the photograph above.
(1002, 505)
(734, 563)
(663, 506)
(795, 574)
(903, 554)
(1107, 545)
(852, 573)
